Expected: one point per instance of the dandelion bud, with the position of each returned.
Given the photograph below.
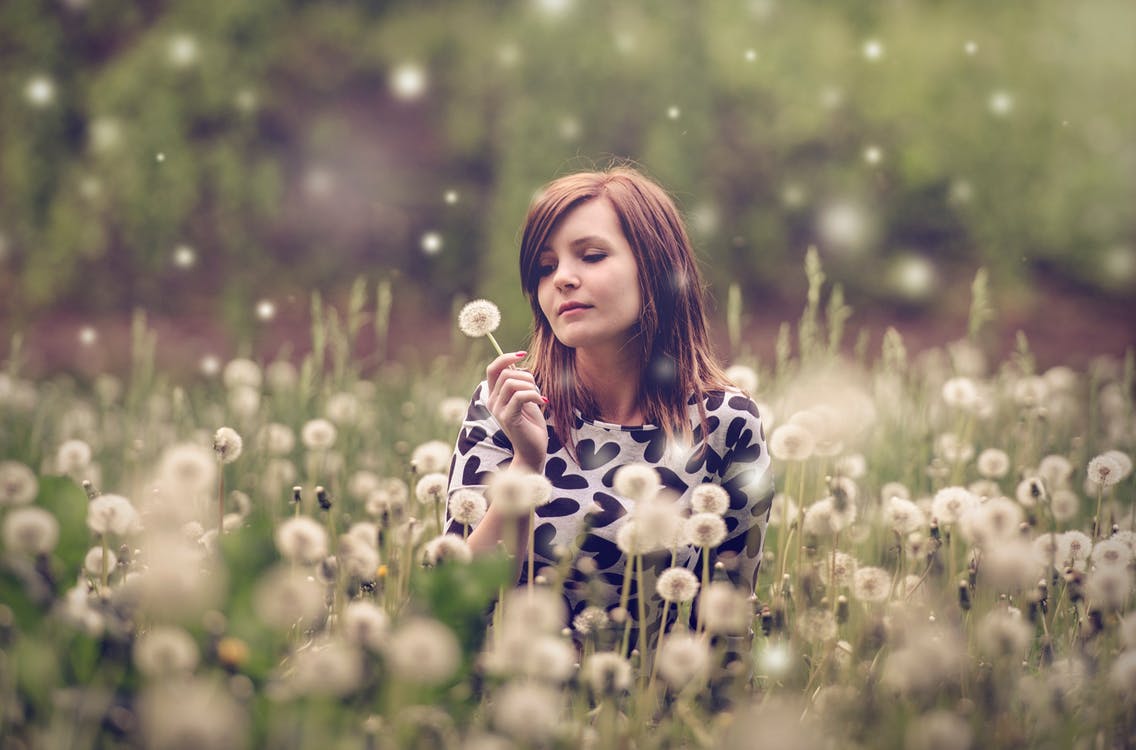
(842, 609)
(618, 615)
(935, 534)
(964, 596)
(766, 621)
(90, 489)
(323, 498)
(1096, 623)
(1046, 649)
(297, 494)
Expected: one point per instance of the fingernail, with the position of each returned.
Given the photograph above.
(518, 355)
(544, 399)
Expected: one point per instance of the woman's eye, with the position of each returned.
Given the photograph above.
(594, 258)
(543, 270)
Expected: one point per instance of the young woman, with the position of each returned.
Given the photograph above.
(620, 372)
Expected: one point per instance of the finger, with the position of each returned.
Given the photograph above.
(500, 364)
(509, 388)
(518, 401)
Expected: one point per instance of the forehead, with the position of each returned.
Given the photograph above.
(590, 222)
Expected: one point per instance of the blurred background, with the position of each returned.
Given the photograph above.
(213, 163)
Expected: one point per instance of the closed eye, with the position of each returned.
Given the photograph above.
(594, 257)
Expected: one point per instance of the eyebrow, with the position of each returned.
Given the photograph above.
(576, 244)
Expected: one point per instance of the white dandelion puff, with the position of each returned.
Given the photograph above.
(478, 318)
(950, 503)
(871, 584)
(365, 624)
(1104, 470)
(791, 442)
(301, 539)
(677, 584)
(318, 434)
(422, 651)
(446, 548)
(607, 673)
(684, 658)
(165, 650)
(725, 610)
(227, 444)
(467, 506)
(430, 457)
(112, 514)
(30, 531)
(993, 463)
(636, 481)
(705, 530)
(709, 498)
(18, 484)
(242, 372)
(743, 377)
(431, 489)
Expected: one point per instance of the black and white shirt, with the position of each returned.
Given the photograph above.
(585, 513)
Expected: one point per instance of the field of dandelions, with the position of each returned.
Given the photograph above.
(253, 560)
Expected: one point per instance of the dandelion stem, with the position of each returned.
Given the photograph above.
(496, 346)
(220, 499)
(532, 541)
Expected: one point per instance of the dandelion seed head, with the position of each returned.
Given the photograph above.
(431, 456)
(197, 712)
(285, 598)
(939, 730)
(817, 625)
(903, 515)
(637, 481)
(725, 610)
(73, 456)
(112, 514)
(479, 317)
(791, 442)
(1110, 587)
(431, 489)
(1122, 676)
(365, 624)
(467, 506)
(242, 372)
(677, 584)
(446, 548)
(871, 584)
(422, 651)
(527, 711)
(30, 531)
(1105, 470)
(1002, 635)
(93, 563)
(537, 611)
(684, 658)
(358, 556)
(18, 484)
(301, 539)
(993, 463)
(164, 651)
(452, 410)
(744, 377)
(709, 498)
(187, 468)
(227, 444)
(607, 674)
(705, 530)
(318, 434)
(591, 620)
(950, 503)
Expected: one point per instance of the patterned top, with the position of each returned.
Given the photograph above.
(585, 513)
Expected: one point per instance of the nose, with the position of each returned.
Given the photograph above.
(565, 277)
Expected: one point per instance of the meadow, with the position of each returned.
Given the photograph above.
(250, 558)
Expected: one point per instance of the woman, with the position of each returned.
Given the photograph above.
(620, 372)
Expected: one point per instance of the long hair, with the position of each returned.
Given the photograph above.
(677, 364)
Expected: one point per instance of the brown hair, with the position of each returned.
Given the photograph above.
(677, 362)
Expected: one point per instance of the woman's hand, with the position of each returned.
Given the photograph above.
(516, 404)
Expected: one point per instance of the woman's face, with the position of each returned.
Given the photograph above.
(588, 284)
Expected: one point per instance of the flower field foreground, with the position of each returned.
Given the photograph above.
(255, 561)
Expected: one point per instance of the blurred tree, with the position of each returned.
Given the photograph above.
(192, 157)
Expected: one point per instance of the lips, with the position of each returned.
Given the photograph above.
(570, 306)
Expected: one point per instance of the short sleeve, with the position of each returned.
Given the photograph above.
(747, 477)
(482, 449)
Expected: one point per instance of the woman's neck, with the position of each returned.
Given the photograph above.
(613, 381)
